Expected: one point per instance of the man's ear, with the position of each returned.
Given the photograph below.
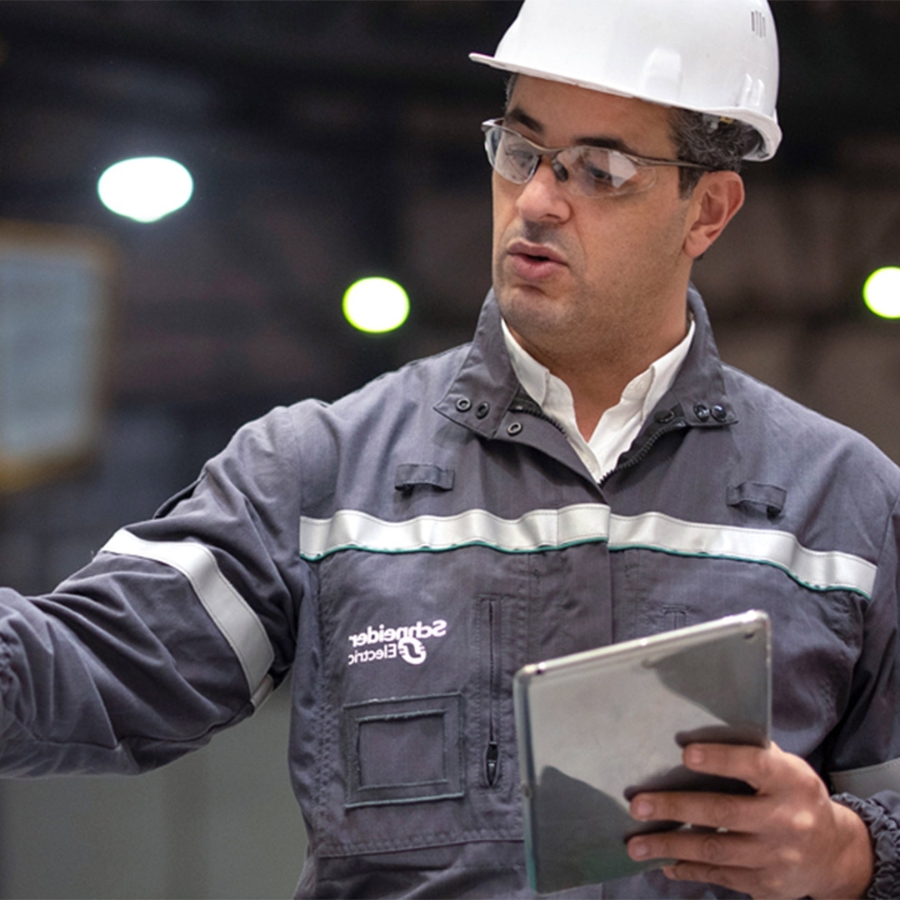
(715, 200)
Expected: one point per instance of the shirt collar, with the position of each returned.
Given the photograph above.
(645, 389)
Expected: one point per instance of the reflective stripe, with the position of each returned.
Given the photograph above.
(541, 529)
(551, 529)
(818, 569)
(869, 780)
(238, 623)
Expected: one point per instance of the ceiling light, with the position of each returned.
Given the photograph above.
(146, 188)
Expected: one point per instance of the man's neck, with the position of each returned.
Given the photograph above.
(597, 383)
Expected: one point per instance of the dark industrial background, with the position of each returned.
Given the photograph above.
(331, 139)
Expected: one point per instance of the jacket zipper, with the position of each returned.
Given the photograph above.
(537, 412)
(676, 425)
(492, 753)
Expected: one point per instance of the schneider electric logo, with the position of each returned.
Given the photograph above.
(406, 642)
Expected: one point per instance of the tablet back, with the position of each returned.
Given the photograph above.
(595, 728)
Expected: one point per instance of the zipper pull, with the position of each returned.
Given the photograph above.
(491, 762)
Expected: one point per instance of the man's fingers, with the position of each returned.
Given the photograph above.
(758, 883)
(788, 839)
(710, 848)
(727, 811)
(750, 764)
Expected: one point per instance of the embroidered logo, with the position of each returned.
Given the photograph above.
(406, 642)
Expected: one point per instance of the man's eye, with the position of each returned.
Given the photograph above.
(521, 158)
(607, 171)
(598, 179)
(595, 173)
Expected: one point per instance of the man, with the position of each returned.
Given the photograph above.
(585, 471)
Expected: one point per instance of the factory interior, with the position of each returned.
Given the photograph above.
(329, 141)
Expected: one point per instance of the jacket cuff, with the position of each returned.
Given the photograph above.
(884, 831)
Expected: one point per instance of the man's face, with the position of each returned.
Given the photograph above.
(588, 275)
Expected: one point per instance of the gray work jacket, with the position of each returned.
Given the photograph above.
(403, 551)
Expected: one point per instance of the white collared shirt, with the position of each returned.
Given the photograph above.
(620, 424)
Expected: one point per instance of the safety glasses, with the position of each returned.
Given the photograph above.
(583, 169)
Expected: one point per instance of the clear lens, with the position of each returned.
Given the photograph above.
(585, 170)
(511, 155)
(595, 171)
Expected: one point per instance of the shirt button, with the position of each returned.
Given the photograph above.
(464, 404)
(514, 428)
(701, 412)
(719, 413)
(482, 409)
(664, 416)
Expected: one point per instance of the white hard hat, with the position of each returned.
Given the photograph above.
(718, 57)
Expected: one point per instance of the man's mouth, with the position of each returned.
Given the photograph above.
(535, 252)
(534, 262)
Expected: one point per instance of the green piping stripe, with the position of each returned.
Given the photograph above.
(405, 551)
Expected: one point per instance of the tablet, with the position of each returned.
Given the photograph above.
(595, 728)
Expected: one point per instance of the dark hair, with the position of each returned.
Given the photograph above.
(709, 140)
(511, 78)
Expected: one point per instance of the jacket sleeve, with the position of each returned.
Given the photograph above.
(885, 835)
(866, 754)
(179, 627)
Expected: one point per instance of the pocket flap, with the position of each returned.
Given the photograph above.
(766, 497)
(410, 475)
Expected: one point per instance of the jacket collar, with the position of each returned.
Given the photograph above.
(697, 397)
(486, 389)
(486, 385)
(699, 388)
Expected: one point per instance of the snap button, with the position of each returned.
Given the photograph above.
(664, 416)
(719, 413)
(464, 404)
(701, 412)
(514, 428)
(482, 409)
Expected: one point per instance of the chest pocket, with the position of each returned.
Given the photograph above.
(404, 750)
(417, 739)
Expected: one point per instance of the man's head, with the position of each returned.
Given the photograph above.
(593, 245)
(679, 94)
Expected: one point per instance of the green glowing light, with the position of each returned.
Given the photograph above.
(376, 305)
(882, 292)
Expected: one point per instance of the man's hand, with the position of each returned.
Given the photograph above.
(788, 840)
